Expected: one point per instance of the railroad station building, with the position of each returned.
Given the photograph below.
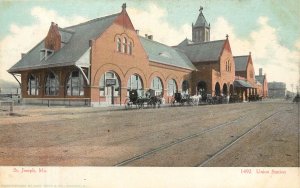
(97, 62)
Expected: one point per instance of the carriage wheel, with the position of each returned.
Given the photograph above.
(191, 102)
(127, 104)
(140, 104)
(172, 102)
(181, 102)
(158, 103)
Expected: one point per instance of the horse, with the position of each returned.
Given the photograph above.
(196, 99)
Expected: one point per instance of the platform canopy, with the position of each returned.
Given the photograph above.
(242, 84)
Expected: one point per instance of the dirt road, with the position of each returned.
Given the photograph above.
(244, 134)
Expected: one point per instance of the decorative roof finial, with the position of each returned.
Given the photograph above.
(201, 8)
(124, 6)
(249, 53)
(227, 36)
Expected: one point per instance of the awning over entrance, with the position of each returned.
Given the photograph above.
(242, 83)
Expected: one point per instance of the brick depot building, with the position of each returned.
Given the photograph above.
(77, 64)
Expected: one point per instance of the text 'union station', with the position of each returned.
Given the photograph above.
(81, 62)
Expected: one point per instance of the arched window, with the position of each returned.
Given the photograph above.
(119, 45)
(52, 85)
(185, 87)
(156, 85)
(135, 82)
(226, 65)
(33, 85)
(217, 89)
(104, 90)
(75, 84)
(130, 48)
(172, 87)
(125, 45)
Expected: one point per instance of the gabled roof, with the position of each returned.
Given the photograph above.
(241, 63)
(201, 21)
(75, 41)
(164, 54)
(203, 51)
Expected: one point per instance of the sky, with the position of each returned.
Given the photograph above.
(269, 29)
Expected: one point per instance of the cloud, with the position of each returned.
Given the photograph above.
(279, 62)
(21, 38)
(153, 22)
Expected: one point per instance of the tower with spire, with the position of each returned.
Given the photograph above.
(201, 29)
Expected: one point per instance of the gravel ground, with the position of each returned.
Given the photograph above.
(177, 136)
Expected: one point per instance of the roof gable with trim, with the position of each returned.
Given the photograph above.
(76, 43)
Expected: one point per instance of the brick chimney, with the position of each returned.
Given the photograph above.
(53, 38)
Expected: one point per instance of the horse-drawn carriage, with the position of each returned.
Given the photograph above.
(217, 99)
(180, 99)
(147, 100)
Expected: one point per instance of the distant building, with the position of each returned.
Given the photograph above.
(277, 89)
(262, 79)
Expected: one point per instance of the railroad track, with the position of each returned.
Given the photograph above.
(180, 140)
(219, 152)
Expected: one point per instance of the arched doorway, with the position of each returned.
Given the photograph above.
(185, 87)
(202, 89)
(217, 89)
(109, 86)
(157, 86)
(231, 89)
(172, 87)
(225, 89)
(135, 82)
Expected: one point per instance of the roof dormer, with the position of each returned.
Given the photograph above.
(45, 54)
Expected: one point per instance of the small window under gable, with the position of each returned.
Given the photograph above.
(130, 48)
(119, 45)
(45, 54)
(125, 45)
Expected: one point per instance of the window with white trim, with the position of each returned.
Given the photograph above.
(75, 84)
(119, 46)
(45, 54)
(125, 45)
(33, 85)
(130, 48)
(52, 84)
